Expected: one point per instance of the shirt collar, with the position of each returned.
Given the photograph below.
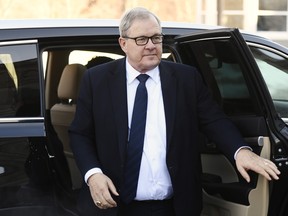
(131, 73)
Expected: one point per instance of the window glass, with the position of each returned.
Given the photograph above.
(19, 81)
(272, 23)
(90, 58)
(83, 57)
(223, 72)
(274, 69)
(272, 16)
(227, 71)
(277, 5)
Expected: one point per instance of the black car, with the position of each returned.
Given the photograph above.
(41, 65)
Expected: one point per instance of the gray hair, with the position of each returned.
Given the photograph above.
(130, 16)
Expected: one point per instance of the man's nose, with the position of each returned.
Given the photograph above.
(150, 43)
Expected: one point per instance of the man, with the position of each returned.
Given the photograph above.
(178, 105)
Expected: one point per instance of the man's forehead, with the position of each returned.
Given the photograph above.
(145, 26)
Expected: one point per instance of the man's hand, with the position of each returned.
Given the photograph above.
(100, 188)
(248, 160)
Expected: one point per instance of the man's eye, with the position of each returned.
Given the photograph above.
(141, 39)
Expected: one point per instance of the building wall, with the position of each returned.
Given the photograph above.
(168, 10)
(243, 14)
(261, 17)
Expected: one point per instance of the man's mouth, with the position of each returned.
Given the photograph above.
(150, 55)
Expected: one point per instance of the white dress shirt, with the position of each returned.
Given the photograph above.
(154, 180)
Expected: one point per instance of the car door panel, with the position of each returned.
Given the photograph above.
(230, 72)
(272, 60)
(229, 202)
(25, 177)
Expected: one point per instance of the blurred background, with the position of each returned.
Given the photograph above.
(263, 17)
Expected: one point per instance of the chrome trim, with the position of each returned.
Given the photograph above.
(205, 39)
(260, 141)
(267, 48)
(285, 120)
(2, 170)
(255, 141)
(5, 43)
(21, 120)
(22, 129)
(49, 155)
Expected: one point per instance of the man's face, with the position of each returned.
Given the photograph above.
(147, 57)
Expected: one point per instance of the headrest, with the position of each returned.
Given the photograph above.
(69, 84)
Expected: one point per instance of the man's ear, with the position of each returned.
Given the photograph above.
(122, 43)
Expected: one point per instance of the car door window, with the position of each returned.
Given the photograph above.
(21, 113)
(218, 62)
(274, 68)
(19, 81)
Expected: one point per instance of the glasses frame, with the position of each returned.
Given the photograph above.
(136, 39)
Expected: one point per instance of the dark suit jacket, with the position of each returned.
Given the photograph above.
(99, 131)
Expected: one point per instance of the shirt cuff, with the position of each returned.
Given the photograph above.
(243, 147)
(91, 172)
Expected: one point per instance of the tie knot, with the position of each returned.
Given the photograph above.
(142, 78)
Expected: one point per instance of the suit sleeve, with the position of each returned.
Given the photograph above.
(81, 131)
(215, 124)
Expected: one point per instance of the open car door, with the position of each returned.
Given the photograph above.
(232, 75)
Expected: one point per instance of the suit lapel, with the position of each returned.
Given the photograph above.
(118, 89)
(168, 84)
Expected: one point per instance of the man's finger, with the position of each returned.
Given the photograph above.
(112, 188)
(243, 173)
(271, 170)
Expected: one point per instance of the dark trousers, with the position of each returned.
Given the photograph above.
(86, 207)
(147, 208)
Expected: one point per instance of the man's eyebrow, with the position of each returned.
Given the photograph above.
(157, 34)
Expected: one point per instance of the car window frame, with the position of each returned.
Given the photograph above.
(29, 126)
(276, 52)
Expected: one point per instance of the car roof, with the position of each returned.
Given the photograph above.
(26, 29)
(23, 29)
(63, 23)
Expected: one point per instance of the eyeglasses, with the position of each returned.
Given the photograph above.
(143, 40)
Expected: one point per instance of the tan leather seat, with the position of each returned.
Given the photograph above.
(63, 113)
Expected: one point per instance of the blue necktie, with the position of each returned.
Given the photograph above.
(136, 140)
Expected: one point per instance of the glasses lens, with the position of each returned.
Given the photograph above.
(157, 39)
(141, 40)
